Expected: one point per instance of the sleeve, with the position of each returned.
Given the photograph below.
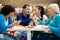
(45, 23)
(18, 17)
(53, 29)
(10, 21)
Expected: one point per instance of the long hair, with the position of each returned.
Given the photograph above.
(42, 11)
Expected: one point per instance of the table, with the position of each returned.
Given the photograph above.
(35, 28)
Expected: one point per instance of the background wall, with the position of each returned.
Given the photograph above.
(19, 3)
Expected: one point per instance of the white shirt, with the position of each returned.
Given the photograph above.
(45, 18)
(6, 22)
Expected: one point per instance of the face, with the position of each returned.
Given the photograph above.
(27, 10)
(51, 11)
(36, 11)
(10, 15)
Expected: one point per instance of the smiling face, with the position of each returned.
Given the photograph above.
(26, 10)
(36, 11)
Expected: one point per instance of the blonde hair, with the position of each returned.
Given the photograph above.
(55, 7)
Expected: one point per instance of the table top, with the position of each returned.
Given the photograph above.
(34, 28)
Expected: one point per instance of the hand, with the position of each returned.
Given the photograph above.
(15, 23)
(45, 27)
(35, 18)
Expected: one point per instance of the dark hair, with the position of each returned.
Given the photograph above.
(25, 6)
(42, 11)
(7, 9)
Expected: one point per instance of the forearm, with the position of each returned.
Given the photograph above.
(45, 23)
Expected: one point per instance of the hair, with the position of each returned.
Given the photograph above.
(26, 6)
(7, 9)
(55, 7)
(42, 11)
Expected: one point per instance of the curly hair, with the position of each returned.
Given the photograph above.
(7, 9)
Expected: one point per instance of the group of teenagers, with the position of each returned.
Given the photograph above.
(38, 17)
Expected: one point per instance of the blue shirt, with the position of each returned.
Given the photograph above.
(24, 20)
(10, 21)
(3, 26)
(55, 25)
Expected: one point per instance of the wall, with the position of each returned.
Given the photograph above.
(31, 2)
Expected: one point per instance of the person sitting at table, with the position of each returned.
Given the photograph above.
(24, 17)
(53, 9)
(6, 21)
(43, 20)
(5, 18)
(39, 13)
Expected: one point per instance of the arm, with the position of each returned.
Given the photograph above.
(45, 23)
(18, 17)
(53, 29)
(10, 20)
